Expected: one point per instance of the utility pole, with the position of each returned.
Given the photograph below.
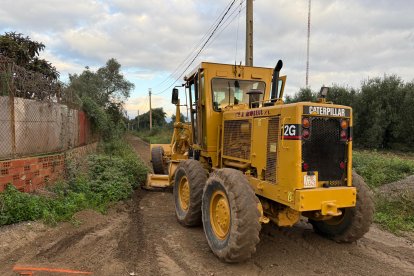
(138, 120)
(249, 33)
(307, 47)
(149, 92)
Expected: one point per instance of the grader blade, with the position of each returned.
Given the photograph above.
(157, 181)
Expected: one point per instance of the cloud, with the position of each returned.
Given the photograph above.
(50, 15)
(141, 104)
(350, 40)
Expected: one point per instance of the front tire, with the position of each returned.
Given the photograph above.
(354, 222)
(190, 179)
(230, 215)
(158, 162)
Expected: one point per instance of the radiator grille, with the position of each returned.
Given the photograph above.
(272, 140)
(237, 139)
(324, 151)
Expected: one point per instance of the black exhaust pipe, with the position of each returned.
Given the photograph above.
(275, 82)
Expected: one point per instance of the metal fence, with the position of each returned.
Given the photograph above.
(29, 127)
(35, 116)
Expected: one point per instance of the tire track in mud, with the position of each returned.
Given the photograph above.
(402, 262)
(142, 236)
(287, 251)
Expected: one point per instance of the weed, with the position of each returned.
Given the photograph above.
(110, 176)
(381, 168)
(393, 212)
(396, 213)
(156, 135)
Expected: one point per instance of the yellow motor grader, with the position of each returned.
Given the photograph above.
(247, 158)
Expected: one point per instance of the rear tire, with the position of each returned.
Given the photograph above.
(230, 215)
(190, 179)
(158, 163)
(354, 222)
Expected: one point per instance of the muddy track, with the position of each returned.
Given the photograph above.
(141, 236)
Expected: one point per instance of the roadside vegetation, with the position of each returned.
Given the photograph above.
(161, 132)
(94, 183)
(394, 205)
(100, 179)
(383, 110)
(379, 168)
(155, 136)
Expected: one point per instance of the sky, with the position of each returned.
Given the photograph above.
(351, 41)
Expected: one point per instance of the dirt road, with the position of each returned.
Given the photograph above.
(142, 237)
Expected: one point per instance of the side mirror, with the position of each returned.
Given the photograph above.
(174, 98)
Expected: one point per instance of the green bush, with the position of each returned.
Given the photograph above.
(110, 176)
(16, 206)
(157, 135)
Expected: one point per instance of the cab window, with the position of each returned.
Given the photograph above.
(232, 92)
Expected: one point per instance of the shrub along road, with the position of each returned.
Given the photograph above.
(141, 236)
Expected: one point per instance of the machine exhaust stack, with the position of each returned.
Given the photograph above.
(275, 82)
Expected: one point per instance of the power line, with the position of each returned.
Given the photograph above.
(178, 75)
(195, 47)
(237, 34)
(228, 23)
(201, 49)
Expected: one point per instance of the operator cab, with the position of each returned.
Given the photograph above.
(230, 92)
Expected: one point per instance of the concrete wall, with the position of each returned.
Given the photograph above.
(5, 128)
(39, 128)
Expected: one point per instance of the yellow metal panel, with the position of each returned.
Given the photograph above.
(313, 199)
(290, 161)
(349, 168)
(259, 144)
(235, 158)
(221, 74)
(215, 118)
(256, 76)
(172, 167)
(271, 191)
(157, 181)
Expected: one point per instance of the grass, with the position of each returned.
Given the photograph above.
(156, 135)
(381, 168)
(393, 212)
(396, 214)
(110, 176)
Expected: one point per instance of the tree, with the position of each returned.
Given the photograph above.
(182, 119)
(158, 118)
(106, 85)
(405, 127)
(379, 112)
(383, 111)
(342, 95)
(24, 52)
(103, 94)
(304, 95)
(116, 88)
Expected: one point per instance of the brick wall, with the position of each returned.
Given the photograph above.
(29, 174)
